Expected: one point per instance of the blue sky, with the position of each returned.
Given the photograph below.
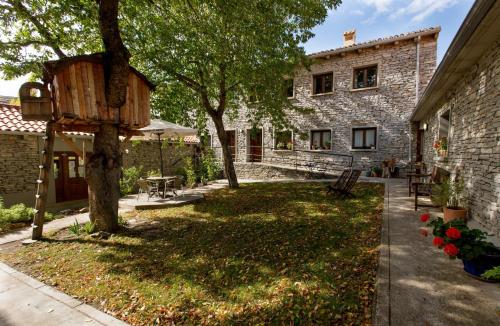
(372, 19)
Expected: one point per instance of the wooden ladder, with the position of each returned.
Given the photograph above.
(43, 180)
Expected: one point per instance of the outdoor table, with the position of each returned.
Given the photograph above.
(162, 181)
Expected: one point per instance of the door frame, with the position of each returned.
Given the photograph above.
(249, 149)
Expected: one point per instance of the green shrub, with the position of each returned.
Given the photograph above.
(129, 179)
(88, 228)
(75, 228)
(492, 274)
(211, 168)
(189, 171)
(154, 173)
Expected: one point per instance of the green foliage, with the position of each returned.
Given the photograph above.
(492, 274)
(472, 242)
(210, 167)
(189, 171)
(135, 142)
(89, 228)
(154, 173)
(18, 214)
(75, 228)
(121, 220)
(129, 179)
(451, 193)
(36, 30)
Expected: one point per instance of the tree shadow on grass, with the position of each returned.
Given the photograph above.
(294, 247)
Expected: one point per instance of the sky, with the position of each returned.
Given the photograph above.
(372, 19)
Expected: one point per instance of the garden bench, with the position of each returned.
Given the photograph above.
(425, 182)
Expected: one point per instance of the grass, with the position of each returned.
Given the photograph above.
(276, 253)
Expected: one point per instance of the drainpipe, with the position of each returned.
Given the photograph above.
(417, 90)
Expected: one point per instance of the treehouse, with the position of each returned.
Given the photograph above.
(78, 96)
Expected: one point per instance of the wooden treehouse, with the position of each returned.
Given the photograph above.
(72, 98)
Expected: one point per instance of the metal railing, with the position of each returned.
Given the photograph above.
(298, 159)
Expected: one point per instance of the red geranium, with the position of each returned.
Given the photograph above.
(451, 250)
(424, 217)
(438, 242)
(436, 145)
(453, 233)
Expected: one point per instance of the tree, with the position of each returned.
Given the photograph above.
(223, 52)
(35, 31)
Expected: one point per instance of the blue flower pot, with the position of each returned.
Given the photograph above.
(477, 266)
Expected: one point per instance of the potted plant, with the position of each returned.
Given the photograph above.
(451, 196)
(289, 146)
(376, 171)
(441, 147)
(469, 245)
(280, 145)
(328, 145)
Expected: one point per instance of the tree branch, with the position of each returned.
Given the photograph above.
(44, 32)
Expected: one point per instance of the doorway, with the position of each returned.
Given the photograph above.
(231, 142)
(69, 177)
(255, 145)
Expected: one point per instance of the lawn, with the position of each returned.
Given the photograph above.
(273, 253)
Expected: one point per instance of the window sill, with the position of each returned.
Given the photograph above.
(322, 94)
(320, 150)
(363, 89)
(363, 149)
(282, 150)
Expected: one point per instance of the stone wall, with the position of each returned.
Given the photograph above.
(263, 171)
(474, 137)
(18, 163)
(147, 155)
(387, 106)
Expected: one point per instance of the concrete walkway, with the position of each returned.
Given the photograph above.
(417, 284)
(26, 301)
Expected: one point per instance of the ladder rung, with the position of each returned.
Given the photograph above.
(37, 196)
(43, 151)
(45, 137)
(34, 226)
(35, 211)
(39, 181)
(41, 166)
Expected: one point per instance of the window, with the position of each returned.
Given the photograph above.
(289, 88)
(365, 77)
(441, 145)
(323, 83)
(321, 140)
(364, 138)
(283, 140)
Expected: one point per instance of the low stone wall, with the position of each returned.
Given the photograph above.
(262, 171)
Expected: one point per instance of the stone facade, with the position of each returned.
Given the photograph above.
(386, 107)
(147, 155)
(474, 136)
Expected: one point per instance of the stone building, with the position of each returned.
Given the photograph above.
(461, 110)
(21, 143)
(362, 95)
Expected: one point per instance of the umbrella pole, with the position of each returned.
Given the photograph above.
(161, 156)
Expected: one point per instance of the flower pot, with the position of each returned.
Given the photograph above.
(451, 214)
(477, 266)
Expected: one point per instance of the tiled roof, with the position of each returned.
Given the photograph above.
(12, 121)
(383, 40)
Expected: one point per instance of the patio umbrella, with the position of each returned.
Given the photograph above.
(161, 129)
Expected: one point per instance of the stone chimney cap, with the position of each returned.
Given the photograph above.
(350, 37)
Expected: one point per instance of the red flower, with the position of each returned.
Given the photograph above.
(438, 242)
(453, 233)
(451, 250)
(436, 145)
(424, 232)
(424, 217)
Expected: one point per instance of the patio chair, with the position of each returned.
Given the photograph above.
(424, 183)
(145, 187)
(340, 182)
(416, 170)
(344, 188)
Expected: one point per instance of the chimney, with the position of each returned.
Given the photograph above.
(350, 37)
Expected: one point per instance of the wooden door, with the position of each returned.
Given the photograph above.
(69, 176)
(231, 140)
(255, 145)
(420, 134)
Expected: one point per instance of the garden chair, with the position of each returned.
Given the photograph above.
(416, 170)
(340, 182)
(145, 187)
(424, 183)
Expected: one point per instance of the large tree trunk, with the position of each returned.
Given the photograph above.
(226, 153)
(103, 166)
(103, 176)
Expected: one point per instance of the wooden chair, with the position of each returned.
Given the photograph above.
(424, 183)
(340, 182)
(344, 187)
(145, 187)
(416, 170)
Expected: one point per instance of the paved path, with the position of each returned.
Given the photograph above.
(26, 301)
(418, 284)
